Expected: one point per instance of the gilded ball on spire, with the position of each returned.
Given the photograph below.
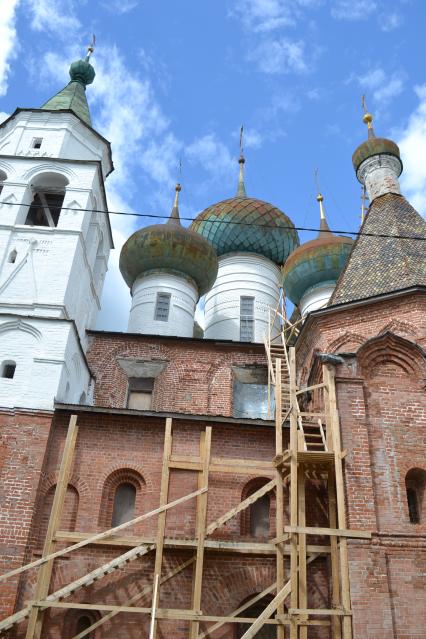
(367, 118)
(320, 198)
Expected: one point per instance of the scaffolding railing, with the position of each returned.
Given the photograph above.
(313, 449)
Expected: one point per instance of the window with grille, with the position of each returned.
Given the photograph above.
(45, 209)
(162, 307)
(246, 319)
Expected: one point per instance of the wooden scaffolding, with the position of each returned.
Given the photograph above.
(314, 449)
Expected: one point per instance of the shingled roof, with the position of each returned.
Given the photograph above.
(378, 265)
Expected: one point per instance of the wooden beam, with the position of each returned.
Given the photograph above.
(294, 565)
(269, 610)
(203, 482)
(336, 532)
(161, 525)
(303, 586)
(328, 373)
(319, 611)
(310, 388)
(145, 591)
(152, 628)
(35, 621)
(102, 535)
(241, 506)
(236, 612)
(279, 518)
(335, 568)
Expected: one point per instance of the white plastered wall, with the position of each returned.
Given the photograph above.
(241, 274)
(49, 363)
(183, 299)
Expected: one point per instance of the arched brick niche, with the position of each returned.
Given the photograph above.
(415, 485)
(122, 497)
(257, 519)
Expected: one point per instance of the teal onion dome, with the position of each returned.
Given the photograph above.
(82, 71)
(317, 262)
(169, 248)
(245, 224)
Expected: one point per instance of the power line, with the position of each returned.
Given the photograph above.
(235, 223)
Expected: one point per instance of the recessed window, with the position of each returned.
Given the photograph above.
(83, 623)
(124, 504)
(12, 257)
(140, 393)
(415, 485)
(246, 319)
(8, 370)
(162, 307)
(45, 209)
(36, 143)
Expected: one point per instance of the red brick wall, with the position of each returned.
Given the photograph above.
(382, 406)
(23, 438)
(197, 377)
(108, 443)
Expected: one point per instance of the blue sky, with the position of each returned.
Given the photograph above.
(177, 78)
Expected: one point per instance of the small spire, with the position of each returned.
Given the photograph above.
(367, 118)
(324, 228)
(91, 48)
(174, 216)
(241, 191)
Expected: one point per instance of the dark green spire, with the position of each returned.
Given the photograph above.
(73, 96)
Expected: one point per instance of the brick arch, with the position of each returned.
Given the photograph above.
(351, 341)
(388, 354)
(415, 479)
(227, 588)
(70, 620)
(245, 518)
(399, 328)
(121, 475)
(69, 512)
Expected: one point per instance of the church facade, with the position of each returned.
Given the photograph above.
(99, 429)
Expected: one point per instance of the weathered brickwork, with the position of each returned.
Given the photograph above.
(382, 407)
(229, 578)
(197, 375)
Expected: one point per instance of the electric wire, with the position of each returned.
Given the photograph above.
(235, 223)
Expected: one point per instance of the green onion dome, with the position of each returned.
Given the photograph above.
(317, 262)
(245, 224)
(82, 71)
(169, 248)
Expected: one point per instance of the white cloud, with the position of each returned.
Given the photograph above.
(54, 16)
(353, 9)
(212, 155)
(390, 21)
(268, 15)
(412, 142)
(383, 88)
(253, 139)
(120, 6)
(8, 40)
(280, 56)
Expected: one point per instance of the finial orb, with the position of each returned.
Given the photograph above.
(320, 198)
(367, 118)
(178, 188)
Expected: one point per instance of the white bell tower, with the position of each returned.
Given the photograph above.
(55, 241)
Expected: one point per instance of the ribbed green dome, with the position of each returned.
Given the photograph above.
(169, 248)
(314, 263)
(244, 224)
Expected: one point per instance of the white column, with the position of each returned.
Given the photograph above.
(316, 297)
(183, 298)
(241, 274)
